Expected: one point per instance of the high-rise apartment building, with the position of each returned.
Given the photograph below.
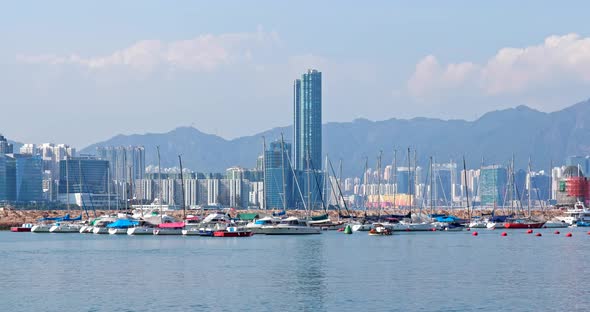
(307, 123)
(493, 180)
(278, 179)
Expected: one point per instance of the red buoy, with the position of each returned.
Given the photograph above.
(504, 234)
(538, 234)
(588, 232)
(529, 231)
(474, 233)
(433, 229)
(557, 232)
(568, 235)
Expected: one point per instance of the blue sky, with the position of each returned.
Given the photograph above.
(82, 71)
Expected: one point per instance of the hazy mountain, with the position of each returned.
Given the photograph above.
(495, 136)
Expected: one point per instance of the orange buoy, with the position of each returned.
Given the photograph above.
(504, 234)
(557, 232)
(538, 234)
(474, 233)
(529, 231)
(568, 235)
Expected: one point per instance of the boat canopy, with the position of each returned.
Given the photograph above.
(320, 218)
(247, 216)
(447, 219)
(171, 225)
(280, 213)
(123, 223)
(67, 218)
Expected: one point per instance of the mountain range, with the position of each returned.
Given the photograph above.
(493, 138)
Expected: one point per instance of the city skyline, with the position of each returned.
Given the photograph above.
(157, 76)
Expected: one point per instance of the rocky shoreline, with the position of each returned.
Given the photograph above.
(11, 217)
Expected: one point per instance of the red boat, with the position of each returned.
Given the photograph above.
(233, 232)
(523, 224)
(23, 228)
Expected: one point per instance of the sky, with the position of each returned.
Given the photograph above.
(79, 72)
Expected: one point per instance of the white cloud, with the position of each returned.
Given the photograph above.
(511, 72)
(203, 53)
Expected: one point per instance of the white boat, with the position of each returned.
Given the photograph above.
(100, 230)
(41, 228)
(360, 227)
(169, 230)
(478, 224)
(289, 226)
(255, 225)
(191, 231)
(65, 228)
(555, 224)
(117, 231)
(413, 226)
(578, 213)
(140, 230)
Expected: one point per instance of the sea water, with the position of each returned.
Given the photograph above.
(328, 272)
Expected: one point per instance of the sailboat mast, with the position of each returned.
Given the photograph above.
(283, 173)
(466, 189)
(67, 184)
(109, 188)
(379, 184)
(410, 179)
(529, 187)
(365, 184)
(308, 182)
(264, 173)
(182, 188)
(394, 169)
(160, 184)
(431, 185)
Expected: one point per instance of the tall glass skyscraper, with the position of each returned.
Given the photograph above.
(307, 124)
(278, 177)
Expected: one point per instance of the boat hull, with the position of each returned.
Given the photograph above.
(140, 231)
(510, 225)
(117, 231)
(20, 229)
(232, 234)
(100, 230)
(167, 231)
(41, 228)
(289, 230)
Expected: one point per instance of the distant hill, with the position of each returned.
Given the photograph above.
(495, 137)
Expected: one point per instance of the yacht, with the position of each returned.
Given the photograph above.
(172, 228)
(65, 227)
(212, 223)
(578, 213)
(41, 228)
(255, 225)
(289, 226)
(121, 226)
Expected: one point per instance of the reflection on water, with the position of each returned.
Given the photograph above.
(327, 272)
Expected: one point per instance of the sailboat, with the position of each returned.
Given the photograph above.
(527, 222)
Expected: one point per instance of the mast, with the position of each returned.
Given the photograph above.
(416, 177)
(182, 188)
(466, 188)
(126, 169)
(283, 173)
(431, 185)
(379, 185)
(410, 180)
(81, 187)
(67, 184)
(308, 182)
(395, 176)
(264, 172)
(326, 198)
(365, 184)
(529, 187)
(109, 187)
(160, 184)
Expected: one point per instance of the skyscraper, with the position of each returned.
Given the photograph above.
(278, 177)
(307, 124)
(5, 147)
(493, 181)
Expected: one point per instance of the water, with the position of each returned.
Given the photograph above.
(328, 272)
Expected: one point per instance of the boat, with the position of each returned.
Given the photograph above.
(265, 221)
(233, 231)
(172, 228)
(41, 228)
(25, 227)
(290, 226)
(523, 224)
(121, 226)
(454, 227)
(361, 227)
(140, 230)
(379, 230)
(582, 224)
(555, 224)
(65, 227)
(579, 212)
(211, 223)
